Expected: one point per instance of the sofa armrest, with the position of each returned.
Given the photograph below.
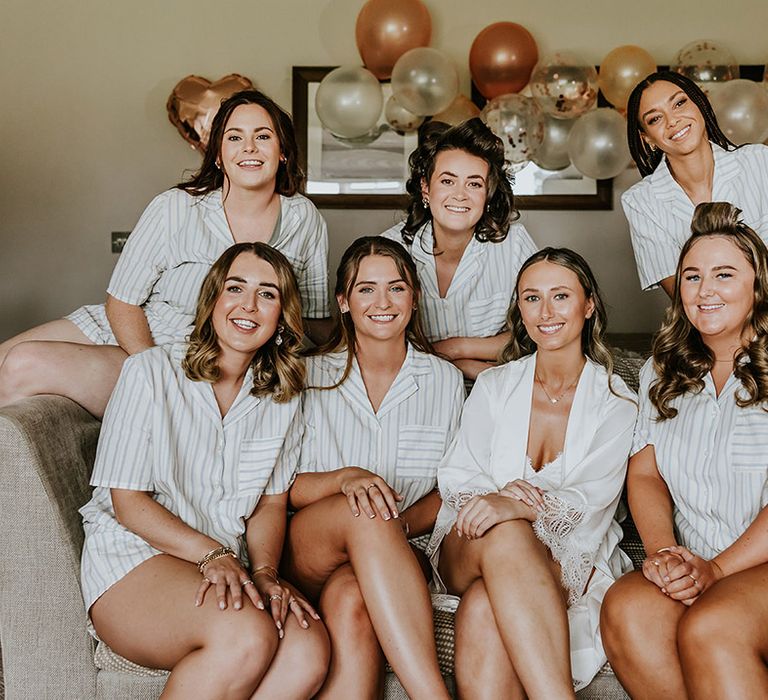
(47, 447)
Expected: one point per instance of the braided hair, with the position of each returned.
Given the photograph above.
(647, 159)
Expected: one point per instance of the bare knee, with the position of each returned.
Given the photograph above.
(475, 610)
(244, 643)
(511, 541)
(702, 629)
(343, 607)
(17, 372)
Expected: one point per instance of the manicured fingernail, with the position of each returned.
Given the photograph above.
(280, 634)
(664, 591)
(356, 514)
(197, 603)
(222, 605)
(260, 605)
(238, 606)
(666, 578)
(395, 514)
(386, 517)
(371, 515)
(305, 624)
(279, 625)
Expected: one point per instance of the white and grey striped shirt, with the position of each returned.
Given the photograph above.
(163, 433)
(660, 212)
(402, 442)
(478, 297)
(178, 238)
(713, 457)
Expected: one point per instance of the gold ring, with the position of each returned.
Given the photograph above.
(275, 596)
(206, 579)
(369, 487)
(691, 576)
(246, 583)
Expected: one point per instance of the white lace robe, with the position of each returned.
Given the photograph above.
(578, 524)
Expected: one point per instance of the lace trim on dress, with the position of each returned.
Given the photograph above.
(554, 527)
(456, 501)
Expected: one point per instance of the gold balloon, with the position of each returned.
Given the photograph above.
(194, 101)
(461, 109)
(501, 59)
(386, 29)
(621, 70)
(707, 63)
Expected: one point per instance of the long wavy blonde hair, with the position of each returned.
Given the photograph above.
(680, 356)
(278, 369)
(343, 336)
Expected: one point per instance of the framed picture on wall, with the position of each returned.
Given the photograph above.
(366, 173)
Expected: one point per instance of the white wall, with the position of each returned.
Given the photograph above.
(85, 142)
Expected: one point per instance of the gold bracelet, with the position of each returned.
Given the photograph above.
(216, 553)
(268, 569)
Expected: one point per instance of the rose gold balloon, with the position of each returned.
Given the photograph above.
(621, 70)
(501, 59)
(194, 101)
(461, 109)
(386, 29)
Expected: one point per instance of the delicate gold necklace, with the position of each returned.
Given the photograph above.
(564, 392)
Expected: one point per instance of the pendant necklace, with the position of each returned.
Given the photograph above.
(564, 392)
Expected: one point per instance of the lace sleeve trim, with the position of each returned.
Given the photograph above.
(458, 499)
(555, 528)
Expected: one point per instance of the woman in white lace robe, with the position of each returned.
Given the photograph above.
(526, 534)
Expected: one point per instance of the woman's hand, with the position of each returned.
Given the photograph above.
(282, 598)
(227, 574)
(368, 492)
(481, 513)
(657, 566)
(691, 577)
(521, 490)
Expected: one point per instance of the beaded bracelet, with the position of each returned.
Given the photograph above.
(217, 553)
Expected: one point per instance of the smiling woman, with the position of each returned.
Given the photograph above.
(247, 190)
(685, 159)
(692, 622)
(461, 234)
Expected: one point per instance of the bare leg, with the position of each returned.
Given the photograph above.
(56, 358)
(483, 669)
(149, 617)
(638, 625)
(526, 598)
(723, 639)
(356, 660)
(324, 536)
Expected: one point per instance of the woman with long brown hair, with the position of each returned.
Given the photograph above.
(248, 189)
(693, 622)
(684, 159)
(526, 534)
(380, 410)
(184, 531)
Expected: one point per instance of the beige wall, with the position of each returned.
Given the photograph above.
(85, 143)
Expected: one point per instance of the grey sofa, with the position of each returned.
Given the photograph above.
(47, 447)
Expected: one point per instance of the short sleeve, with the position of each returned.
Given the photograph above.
(313, 280)
(143, 259)
(124, 455)
(525, 246)
(307, 450)
(285, 467)
(656, 250)
(646, 422)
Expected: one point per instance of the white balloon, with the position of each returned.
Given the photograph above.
(597, 144)
(425, 81)
(399, 118)
(519, 123)
(553, 152)
(741, 107)
(348, 101)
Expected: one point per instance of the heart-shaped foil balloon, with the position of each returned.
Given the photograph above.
(194, 101)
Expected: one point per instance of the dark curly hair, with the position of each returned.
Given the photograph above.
(474, 137)
(647, 159)
(680, 356)
(290, 177)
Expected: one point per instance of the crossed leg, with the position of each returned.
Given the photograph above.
(509, 574)
(149, 617)
(325, 537)
(57, 358)
(723, 639)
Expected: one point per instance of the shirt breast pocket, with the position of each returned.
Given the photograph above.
(749, 442)
(487, 315)
(257, 462)
(419, 450)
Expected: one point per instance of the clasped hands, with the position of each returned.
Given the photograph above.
(517, 500)
(680, 574)
(230, 579)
